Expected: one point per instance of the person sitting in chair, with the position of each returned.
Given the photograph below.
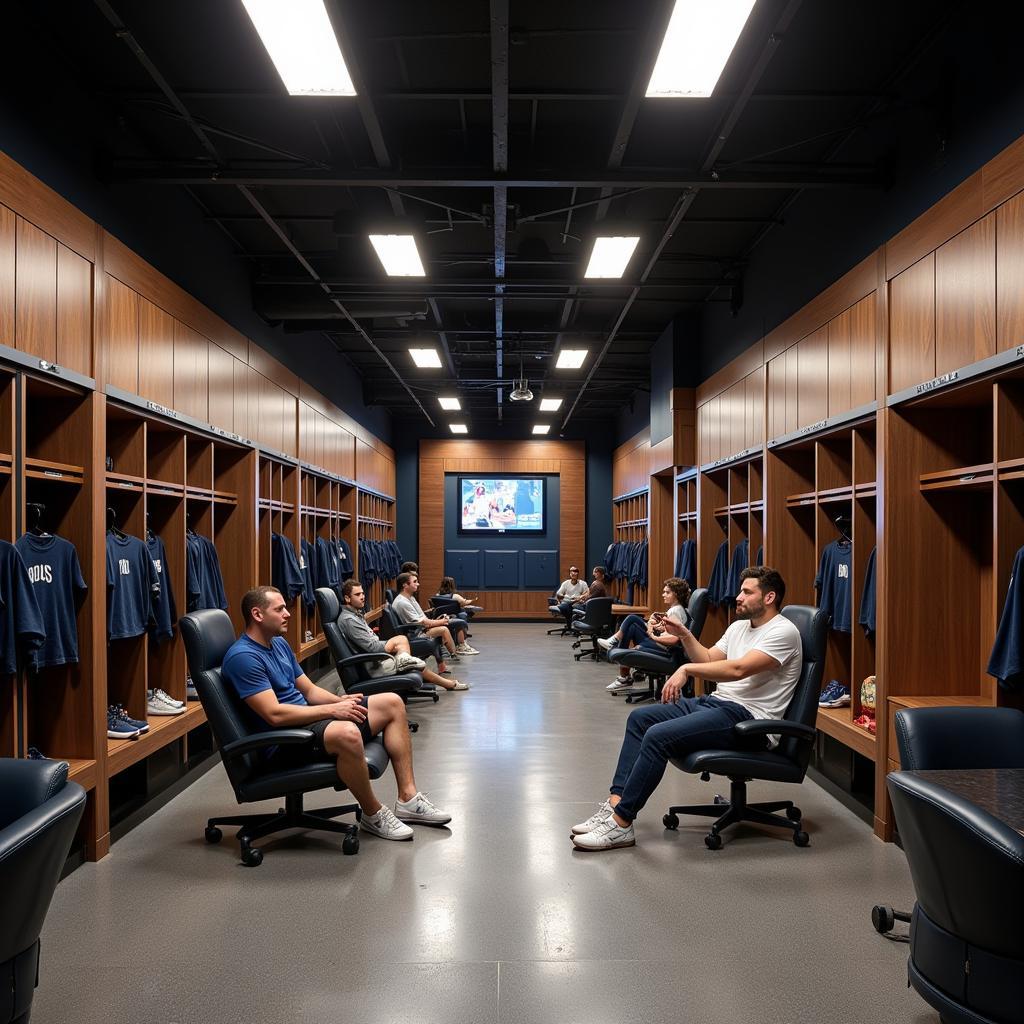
(446, 589)
(262, 668)
(364, 641)
(756, 665)
(409, 612)
(571, 593)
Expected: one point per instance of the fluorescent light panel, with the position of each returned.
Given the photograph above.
(458, 428)
(550, 404)
(301, 42)
(571, 358)
(699, 39)
(610, 256)
(426, 358)
(399, 255)
(541, 428)
(450, 403)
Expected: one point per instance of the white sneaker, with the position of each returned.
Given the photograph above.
(167, 698)
(156, 705)
(385, 824)
(421, 811)
(607, 642)
(603, 811)
(464, 648)
(620, 683)
(606, 835)
(404, 662)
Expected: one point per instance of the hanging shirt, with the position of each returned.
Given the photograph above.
(327, 565)
(346, 564)
(686, 562)
(285, 573)
(866, 618)
(205, 582)
(740, 561)
(53, 567)
(133, 586)
(165, 612)
(1006, 662)
(21, 625)
(759, 557)
(718, 580)
(833, 584)
(307, 563)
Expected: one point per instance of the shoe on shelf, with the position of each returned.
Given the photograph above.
(385, 824)
(620, 683)
(830, 692)
(35, 754)
(121, 714)
(607, 643)
(420, 811)
(190, 689)
(606, 835)
(117, 729)
(157, 705)
(839, 698)
(603, 811)
(466, 649)
(308, 637)
(167, 698)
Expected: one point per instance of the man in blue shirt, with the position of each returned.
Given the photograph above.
(261, 667)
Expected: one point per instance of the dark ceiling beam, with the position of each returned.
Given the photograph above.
(466, 289)
(499, 30)
(817, 176)
(328, 218)
(446, 352)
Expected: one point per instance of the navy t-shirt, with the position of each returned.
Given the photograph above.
(719, 575)
(1007, 660)
(21, 625)
(285, 573)
(252, 668)
(833, 584)
(56, 575)
(740, 561)
(132, 585)
(867, 599)
(204, 581)
(165, 613)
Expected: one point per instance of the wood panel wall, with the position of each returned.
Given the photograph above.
(566, 458)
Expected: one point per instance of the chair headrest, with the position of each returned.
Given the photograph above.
(327, 604)
(813, 626)
(208, 634)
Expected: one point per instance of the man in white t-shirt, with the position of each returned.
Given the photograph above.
(756, 665)
(572, 592)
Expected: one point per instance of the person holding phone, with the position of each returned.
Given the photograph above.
(650, 635)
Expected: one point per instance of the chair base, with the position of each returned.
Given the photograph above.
(292, 815)
(591, 652)
(561, 631)
(736, 809)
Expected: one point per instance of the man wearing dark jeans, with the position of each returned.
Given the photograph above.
(756, 665)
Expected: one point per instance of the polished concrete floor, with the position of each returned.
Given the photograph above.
(498, 918)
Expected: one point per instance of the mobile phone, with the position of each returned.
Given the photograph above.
(657, 616)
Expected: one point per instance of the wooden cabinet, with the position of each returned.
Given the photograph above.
(191, 372)
(8, 246)
(74, 311)
(1009, 274)
(912, 325)
(36, 299)
(121, 340)
(156, 354)
(221, 387)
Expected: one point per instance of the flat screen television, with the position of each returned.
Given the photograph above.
(502, 504)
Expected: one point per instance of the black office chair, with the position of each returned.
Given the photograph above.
(565, 629)
(786, 763)
(951, 738)
(657, 667)
(39, 813)
(389, 595)
(966, 941)
(597, 620)
(388, 625)
(208, 634)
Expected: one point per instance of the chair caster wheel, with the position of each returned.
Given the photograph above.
(882, 918)
(213, 834)
(713, 841)
(350, 845)
(414, 727)
(719, 799)
(801, 838)
(251, 857)
(793, 813)
(436, 697)
(671, 821)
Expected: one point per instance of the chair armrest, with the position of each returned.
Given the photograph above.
(263, 740)
(403, 683)
(775, 727)
(363, 659)
(407, 628)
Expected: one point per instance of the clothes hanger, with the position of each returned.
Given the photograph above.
(36, 510)
(188, 525)
(112, 525)
(843, 524)
(149, 529)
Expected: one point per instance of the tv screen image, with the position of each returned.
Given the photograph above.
(501, 504)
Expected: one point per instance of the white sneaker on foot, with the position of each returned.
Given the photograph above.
(606, 835)
(607, 642)
(603, 811)
(421, 811)
(620, 683)
(385, 824)
(464, 648)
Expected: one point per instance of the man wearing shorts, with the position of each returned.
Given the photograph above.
(261, 667)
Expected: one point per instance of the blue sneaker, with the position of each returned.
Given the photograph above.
(839, 698)
(34, 754)
(830, 692)
(120, 715)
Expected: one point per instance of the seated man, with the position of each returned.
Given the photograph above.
(363, 640)
(571, 593)
(409, 612)
(756, 665)
(261, 667)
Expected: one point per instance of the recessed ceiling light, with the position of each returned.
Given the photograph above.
(541, 428)
(458, 428)
(301, 42)
(449, 403)
(550, 404)
(571, 358)
(426, 358)
(697, 44)
(610, 256)
(399, 255)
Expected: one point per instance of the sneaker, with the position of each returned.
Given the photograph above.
(466, 649)
(190, 689)
(308, 638)
(421, 811)
(839, 698)
(119, 712)
(458, 685)
(167, 698)
(35, 754)
(830, 691)
(156, 705)
(606, 835)
(119, 730)
(385, 824)
(404, 662)
(603, 811)
(621, 683)
(606, 642)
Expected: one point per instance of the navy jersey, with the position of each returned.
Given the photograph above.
(759, 557)
(718, 580)
(165, 611)
(307, 565)
(346, 564)
(833, 584)
(21, 625)
(740, 561)
(1006, 662)
(866, 618)
(53, 567)
(285, 573)
(686, 562)
(204, 580)
(133, 586)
